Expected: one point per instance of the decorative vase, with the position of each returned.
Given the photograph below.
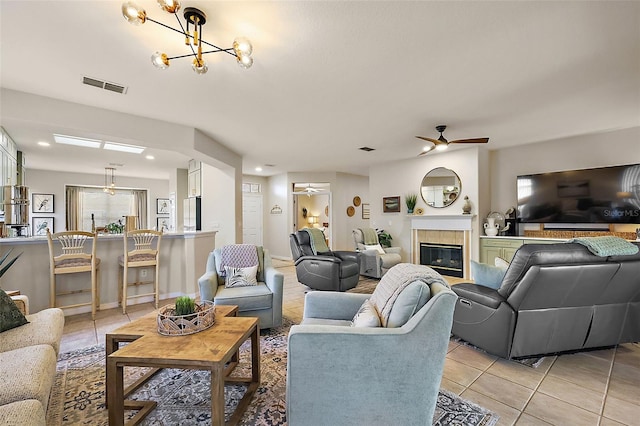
(409, 210)
(491, 227)
(466, 207)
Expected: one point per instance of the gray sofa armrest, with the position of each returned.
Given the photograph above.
(478, 293)
(333, 304)
(208, 284)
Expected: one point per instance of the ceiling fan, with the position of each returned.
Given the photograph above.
(441, 143)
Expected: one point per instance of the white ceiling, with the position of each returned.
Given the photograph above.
(332, 76)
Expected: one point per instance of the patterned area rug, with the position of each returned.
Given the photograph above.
(183, 395)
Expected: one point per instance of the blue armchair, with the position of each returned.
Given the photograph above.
(346, 375)
(263, 300)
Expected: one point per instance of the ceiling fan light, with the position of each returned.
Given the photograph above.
(442, 147)
(160, 60)
(170, 6)
(427, 148)
(133, 14)
(200, 66)
(242, 46)
(245, 61)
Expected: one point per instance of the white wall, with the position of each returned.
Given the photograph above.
(402, 177)
(49, 182)
(219, 204)
(276, 226)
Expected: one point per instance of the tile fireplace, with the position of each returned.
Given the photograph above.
(447, 259)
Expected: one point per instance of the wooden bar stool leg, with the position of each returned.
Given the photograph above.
(125, 284)
(156, 283)
(120, 272)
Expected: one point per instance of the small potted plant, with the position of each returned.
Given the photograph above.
(185, 316)
(185, 306)
(384, 238)
(411, 200)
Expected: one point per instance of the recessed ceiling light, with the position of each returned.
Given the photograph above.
(258, 169)
(70, 140)
(42, 143)
(112, 146)
(150, 157)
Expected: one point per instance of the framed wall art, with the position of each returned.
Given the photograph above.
(162, 206)
(164, 224)
(39, 226)
(391, 204)
(41, 203)
(366, 212)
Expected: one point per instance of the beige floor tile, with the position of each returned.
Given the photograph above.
(608, 422)
(502, 390)
(583, 370)
(451, 386)
(517, 373)
(625, 387)
(508, 415)
(558, 412)
(621, 411)
(605, 354)
(472, 357)
(452, 345)
(460, 373)
(572, 393)
(527, 420)
(626, 371)
(628, 354)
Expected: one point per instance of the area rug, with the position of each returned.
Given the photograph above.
(183, 395)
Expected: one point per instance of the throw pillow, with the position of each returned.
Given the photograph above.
(501, 263)
(240, 277)
(409, 301)
(366, 316)
(487, 275)
(376, 247)
(10, 315)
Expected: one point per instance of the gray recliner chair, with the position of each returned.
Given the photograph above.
(373, 263)
(333, 270)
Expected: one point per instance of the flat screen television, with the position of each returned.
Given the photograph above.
(600, 195)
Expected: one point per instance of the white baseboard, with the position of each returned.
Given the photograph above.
(112, 305)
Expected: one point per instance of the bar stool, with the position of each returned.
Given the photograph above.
(73, 259)
(141, 250)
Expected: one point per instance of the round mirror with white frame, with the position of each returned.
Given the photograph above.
(440, 187)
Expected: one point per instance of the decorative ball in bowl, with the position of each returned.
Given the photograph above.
(172, 321)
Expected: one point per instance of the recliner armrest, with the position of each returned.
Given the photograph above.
(353, 256)
(478, 293)
(396, 250)
(319, 258)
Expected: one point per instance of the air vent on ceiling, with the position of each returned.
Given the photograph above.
(269, 165)
(113, 87)
(367, 149)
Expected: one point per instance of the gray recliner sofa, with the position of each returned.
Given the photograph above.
(553, 298)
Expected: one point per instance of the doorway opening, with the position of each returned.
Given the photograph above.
(312, 207)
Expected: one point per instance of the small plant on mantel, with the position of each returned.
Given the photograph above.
(185, 306)
(410, 200)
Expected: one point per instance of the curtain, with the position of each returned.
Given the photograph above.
(140, 208)
(74, 207)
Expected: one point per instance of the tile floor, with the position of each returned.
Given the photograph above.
(590, 388)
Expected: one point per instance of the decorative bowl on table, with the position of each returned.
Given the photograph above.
(170, 324)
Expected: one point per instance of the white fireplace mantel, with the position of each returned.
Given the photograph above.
(457, 222)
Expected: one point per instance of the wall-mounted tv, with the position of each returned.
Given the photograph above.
(601, 195)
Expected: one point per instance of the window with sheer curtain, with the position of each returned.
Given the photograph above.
(83, 202)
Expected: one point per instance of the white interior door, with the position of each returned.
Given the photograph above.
(252, 219)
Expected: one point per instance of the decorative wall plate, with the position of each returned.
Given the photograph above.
(351, 211)
(356, 201)
(419, 211)
(326, 211)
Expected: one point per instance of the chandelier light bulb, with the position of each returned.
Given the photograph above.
(171, 6)
(245, 61)
(160, 60)
(133, 14)
(200, 66)
(242, 46)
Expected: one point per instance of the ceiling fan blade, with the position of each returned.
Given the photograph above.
(435, 141)
(424, 152)
(476, 140)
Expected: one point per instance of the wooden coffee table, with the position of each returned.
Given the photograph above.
(214, 349)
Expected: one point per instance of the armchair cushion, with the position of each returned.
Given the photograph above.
(251, 298)
(394, 282)
(240, 277)
(10, 314)
(366, 316)
(376, 247)
(409, 301)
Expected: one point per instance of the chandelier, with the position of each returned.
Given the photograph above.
(192, 32)
(109, 181)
